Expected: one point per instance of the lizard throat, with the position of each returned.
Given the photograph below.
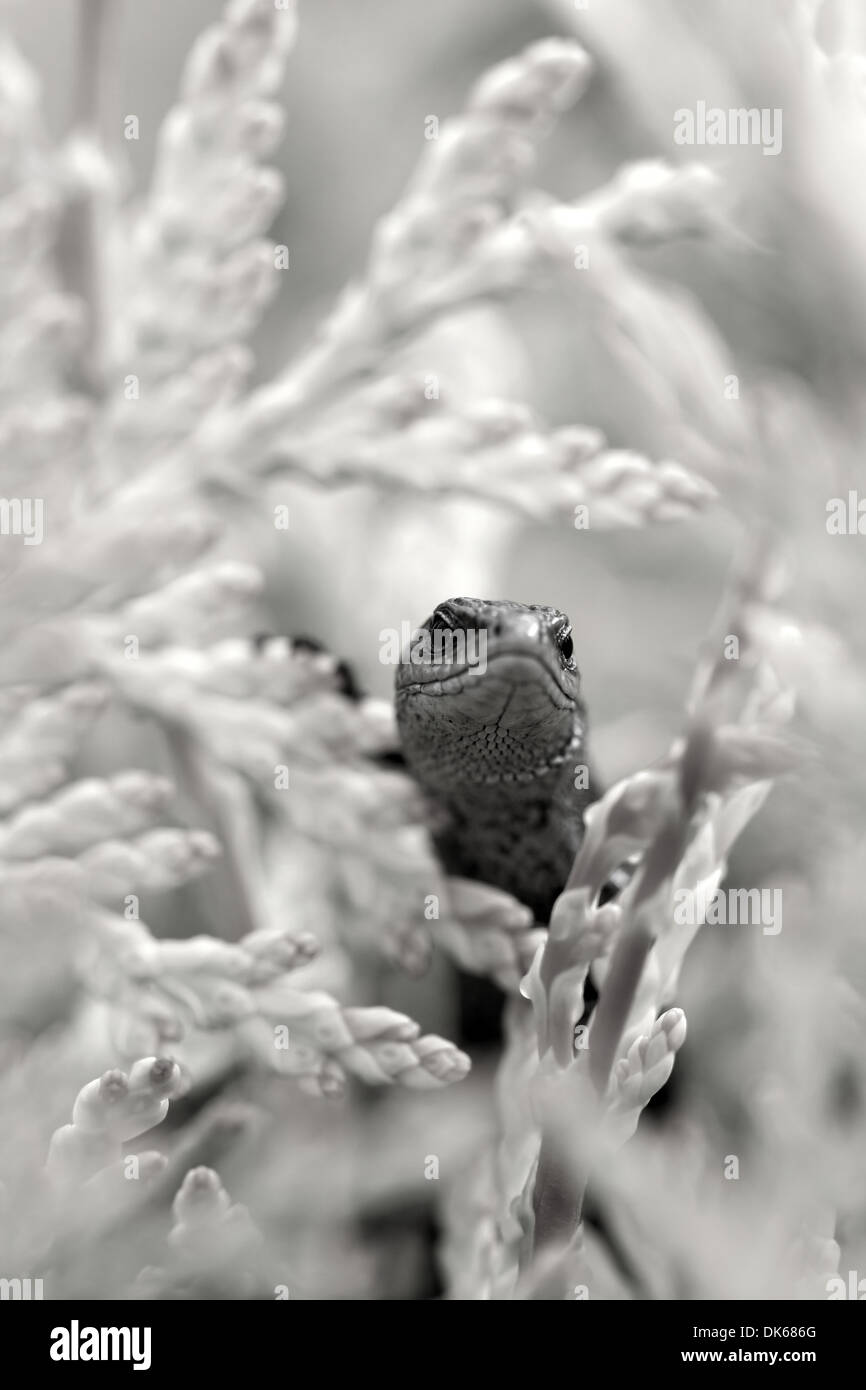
(544, 768)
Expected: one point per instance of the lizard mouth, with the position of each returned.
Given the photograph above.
(533, 671)
(513, 723)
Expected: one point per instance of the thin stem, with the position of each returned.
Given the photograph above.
(232, 907)
(83, 238)
(558, 1196)
(91, 66)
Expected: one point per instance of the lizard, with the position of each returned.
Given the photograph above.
(493, 728)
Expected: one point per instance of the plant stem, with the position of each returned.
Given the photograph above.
(227, 891)
(626, 969)
(83, 235)
(558, 1196)
(90, 67)
(559, 1193)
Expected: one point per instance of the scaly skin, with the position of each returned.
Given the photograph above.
(497, 748)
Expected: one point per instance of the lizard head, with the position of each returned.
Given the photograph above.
(488, 693)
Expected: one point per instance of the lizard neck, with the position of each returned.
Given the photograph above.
(520, 836)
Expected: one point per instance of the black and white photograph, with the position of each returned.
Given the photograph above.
(433, 667)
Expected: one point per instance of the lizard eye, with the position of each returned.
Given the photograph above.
(440, 620)
(566, 646)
